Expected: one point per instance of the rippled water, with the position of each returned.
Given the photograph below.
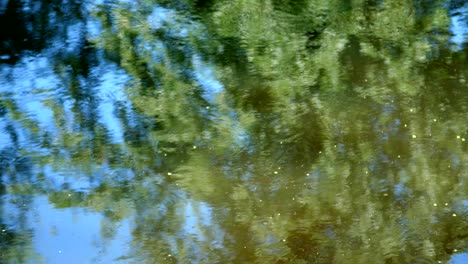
(189, 131)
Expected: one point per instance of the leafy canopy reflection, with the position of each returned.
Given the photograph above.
(338, 134)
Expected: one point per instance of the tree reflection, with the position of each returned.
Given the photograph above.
(15, 236)
(338, 135)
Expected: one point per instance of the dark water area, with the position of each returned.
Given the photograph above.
(258, 131)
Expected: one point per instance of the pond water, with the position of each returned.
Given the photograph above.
(259, 131)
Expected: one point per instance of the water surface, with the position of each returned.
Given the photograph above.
(236, 131)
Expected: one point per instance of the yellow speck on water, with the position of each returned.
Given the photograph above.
(455, 250)
(284, 240)
(169, 173)
(454, 215)
(434, 204)
(399, 156)
(281, 142)
(308, 174)
(367, 172)
(463, 139)
(446, 204)
(165, 154)
(435, 120)
(413, 136)
(411, 110)
(207, 107)
(406, 125)
(458, 136)
(385, 194)
(335, 146)
(275, 172)
(194, 147)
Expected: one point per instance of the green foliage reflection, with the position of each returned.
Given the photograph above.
(338, 134)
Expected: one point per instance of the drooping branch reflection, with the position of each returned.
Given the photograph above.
(330, 133)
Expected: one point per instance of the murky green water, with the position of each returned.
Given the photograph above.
(258, 131)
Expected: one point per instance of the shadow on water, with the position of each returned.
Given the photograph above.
(233, 132)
